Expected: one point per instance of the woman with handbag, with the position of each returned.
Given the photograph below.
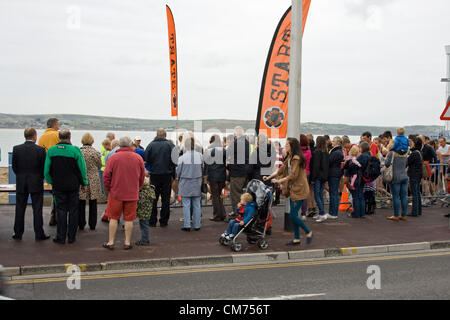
(399, 184)
(293, 181)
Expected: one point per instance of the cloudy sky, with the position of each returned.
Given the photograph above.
(366, 62)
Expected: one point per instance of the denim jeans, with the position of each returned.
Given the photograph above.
(233, 227)
(144, 225)
(359, 202)
(296, 221)
(416, 197)
(318, 196)
(333, 184)
(195, 203)
(305, 202)
(399, 198)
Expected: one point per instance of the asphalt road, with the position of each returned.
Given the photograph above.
(412, 276)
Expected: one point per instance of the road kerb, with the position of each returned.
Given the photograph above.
(352, 251)
(45, 269)
(439, 245)
(194, 261)
(227, 259)
(333, 252)
(409, 247)
(136, 264)
(306, 254)
(11, 272)
(260, 257)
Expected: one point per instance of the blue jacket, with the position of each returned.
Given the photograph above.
(401, 143)
(141, 152)
(249, 211)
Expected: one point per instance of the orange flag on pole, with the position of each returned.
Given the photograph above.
(273, 99)
(173, 63)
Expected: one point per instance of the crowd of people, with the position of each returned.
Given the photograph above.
(133, 179)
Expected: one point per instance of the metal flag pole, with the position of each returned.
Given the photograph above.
(295, 73)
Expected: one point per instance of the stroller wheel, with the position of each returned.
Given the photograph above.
(236, 246)
(263, 244)
(221, 240)
(226, 242)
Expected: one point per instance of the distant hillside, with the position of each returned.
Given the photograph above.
(85, 122)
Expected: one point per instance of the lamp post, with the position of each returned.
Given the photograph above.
(295, 73)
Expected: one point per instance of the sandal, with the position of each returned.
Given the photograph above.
(127, 247)
(108, 246)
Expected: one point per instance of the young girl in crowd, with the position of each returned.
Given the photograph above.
(352, 158)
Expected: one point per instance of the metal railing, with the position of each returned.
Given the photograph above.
(433, 189)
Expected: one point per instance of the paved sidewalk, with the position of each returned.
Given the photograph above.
(171, 242)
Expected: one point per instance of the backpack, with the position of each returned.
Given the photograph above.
(373, 170)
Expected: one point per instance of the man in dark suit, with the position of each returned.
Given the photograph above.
(28, 161)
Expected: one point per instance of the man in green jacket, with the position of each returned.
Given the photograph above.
(65, 170)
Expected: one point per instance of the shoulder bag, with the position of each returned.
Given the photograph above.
(388, 173)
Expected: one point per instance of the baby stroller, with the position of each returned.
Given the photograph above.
(260, 224)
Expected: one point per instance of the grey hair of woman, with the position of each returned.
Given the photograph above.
(125, 142)
(187, 136)
(115, 143)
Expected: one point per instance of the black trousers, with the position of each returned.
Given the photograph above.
(371, 204)
(216, 193)
(66, 207)
(92, 214)
(37, 201)
(163, 187)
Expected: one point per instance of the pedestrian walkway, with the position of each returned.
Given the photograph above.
(171, 242)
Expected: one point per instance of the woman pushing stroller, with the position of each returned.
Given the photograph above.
(294, 184)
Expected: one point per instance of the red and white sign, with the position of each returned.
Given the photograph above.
(446, 114)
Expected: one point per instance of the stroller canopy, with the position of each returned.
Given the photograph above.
(259, 189)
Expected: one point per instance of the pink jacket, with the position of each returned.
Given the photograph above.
(308, 156)
(124, 175)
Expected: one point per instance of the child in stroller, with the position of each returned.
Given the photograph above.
(256, 224)
(246, 209)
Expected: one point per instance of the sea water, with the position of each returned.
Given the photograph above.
(11, 137)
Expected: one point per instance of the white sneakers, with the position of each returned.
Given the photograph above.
(304, 218)
(326, 216)
(322, 218)
(229, 237)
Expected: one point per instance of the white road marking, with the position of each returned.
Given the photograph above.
(290, 297)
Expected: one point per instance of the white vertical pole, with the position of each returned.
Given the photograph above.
(447, 96)
(295, 70)
(447, 51)
(295, 81)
